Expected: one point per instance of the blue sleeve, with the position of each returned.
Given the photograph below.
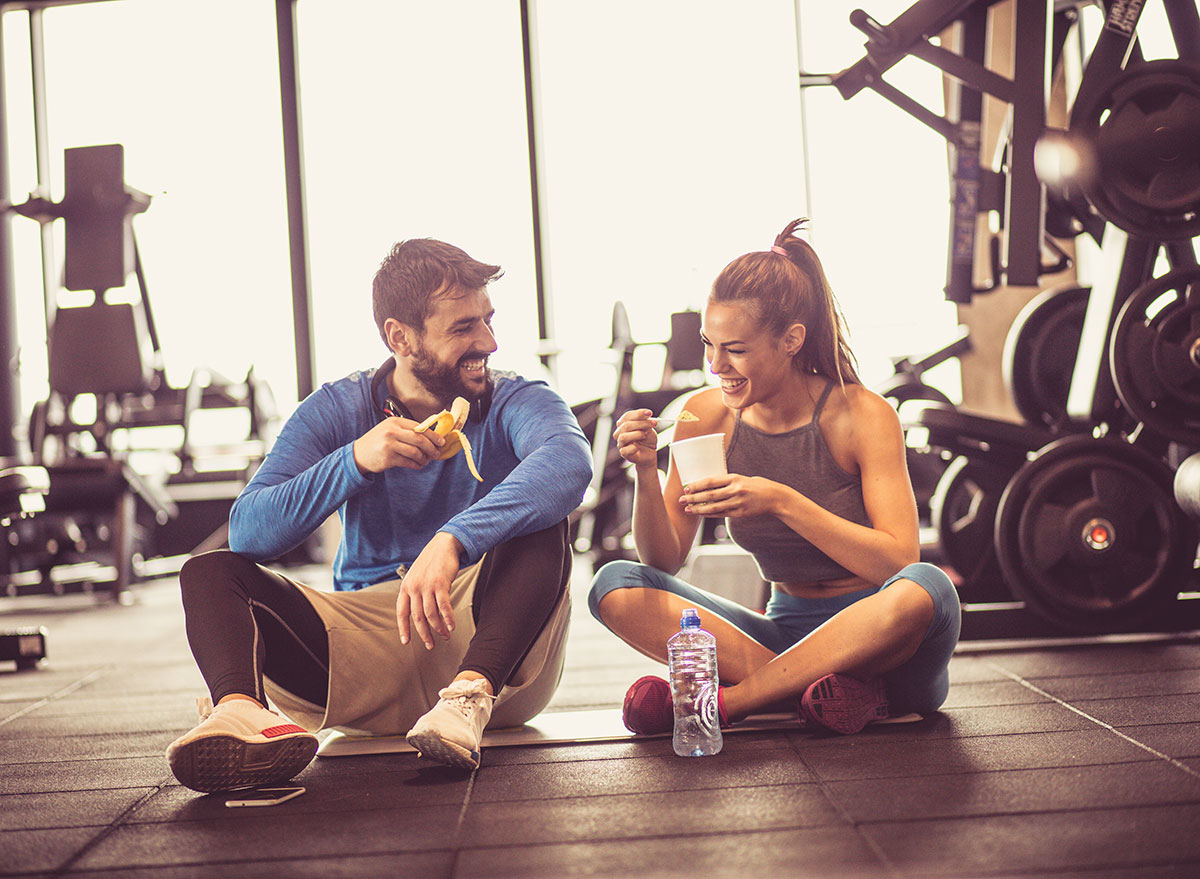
(554, 470)
(307, 475)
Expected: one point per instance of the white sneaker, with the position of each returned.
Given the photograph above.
(451, 730)
(239, 744)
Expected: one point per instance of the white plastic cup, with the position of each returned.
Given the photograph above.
(699, 456)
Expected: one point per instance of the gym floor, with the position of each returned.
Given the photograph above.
(1078, 760)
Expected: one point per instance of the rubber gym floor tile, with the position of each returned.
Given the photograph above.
(327, 792)
(426, 865)
(817, 852)
(671, 813)
(1100, 838)
(976, 695)
(1125, 684)
(862, 759)
(67, 809)
(638, 775)
(278, 834)
(99, 723)
(28, 851)
(964, 722)
(1155, 871)
(55, 749)
(974, 669)
(16, 706)
(1014, 791)
(1079, 660)
(33, 686)
(181, 683)
(1178, 708)
(1177, 740)
(68, 775)
(76, 704)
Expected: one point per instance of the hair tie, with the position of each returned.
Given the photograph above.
(775, 248)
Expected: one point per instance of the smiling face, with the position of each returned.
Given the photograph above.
(449, 357)
(753, 366)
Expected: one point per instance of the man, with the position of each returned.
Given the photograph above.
(440, 578)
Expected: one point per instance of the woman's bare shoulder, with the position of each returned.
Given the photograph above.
(862, 402)
(865, 419)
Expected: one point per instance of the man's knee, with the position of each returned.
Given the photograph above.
(544, 548)
(208, 569)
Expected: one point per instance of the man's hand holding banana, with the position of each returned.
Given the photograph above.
(400, 442)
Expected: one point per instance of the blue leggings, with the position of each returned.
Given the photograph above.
(919, 685)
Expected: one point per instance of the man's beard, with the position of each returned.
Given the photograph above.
(443, 380)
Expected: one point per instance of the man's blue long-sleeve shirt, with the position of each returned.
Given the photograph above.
(529, 449)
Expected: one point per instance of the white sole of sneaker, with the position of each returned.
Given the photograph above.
(216, 763)
(434, 747)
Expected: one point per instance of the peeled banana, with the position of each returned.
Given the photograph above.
(448, 423)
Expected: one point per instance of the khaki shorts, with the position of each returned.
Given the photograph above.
(377, 686)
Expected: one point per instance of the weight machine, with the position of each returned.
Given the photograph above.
(1081, 519)
(104, 514)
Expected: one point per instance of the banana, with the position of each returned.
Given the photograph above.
(448, 423)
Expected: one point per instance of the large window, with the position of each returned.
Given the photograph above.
(672, 134)
(414, 126)
(192, 94)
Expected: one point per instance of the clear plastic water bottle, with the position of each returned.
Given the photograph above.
(692, 665)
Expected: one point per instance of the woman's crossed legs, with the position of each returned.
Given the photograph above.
(904, 632)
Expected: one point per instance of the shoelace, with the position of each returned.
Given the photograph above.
(465, 702)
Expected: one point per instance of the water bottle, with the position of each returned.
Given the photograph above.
(692, 664)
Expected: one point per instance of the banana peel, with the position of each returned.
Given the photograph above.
(449, 423)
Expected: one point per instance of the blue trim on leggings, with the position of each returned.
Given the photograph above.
(918, 685)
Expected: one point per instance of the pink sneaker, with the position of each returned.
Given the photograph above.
(648, 709)
(843, 704)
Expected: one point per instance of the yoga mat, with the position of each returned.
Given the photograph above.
(552, 728)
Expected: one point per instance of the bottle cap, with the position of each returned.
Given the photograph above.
(690, 619)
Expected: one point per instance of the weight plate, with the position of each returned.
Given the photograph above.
(1089, 537)
(1154, 354)
(963, 510)
(1144, 129)
(1040, 351)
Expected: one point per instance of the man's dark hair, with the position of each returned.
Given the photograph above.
(416, 272)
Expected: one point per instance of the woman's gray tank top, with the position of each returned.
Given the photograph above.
(801, 459)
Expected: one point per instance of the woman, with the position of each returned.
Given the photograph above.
(817, 491)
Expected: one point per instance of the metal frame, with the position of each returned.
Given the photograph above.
(293, 170)
(1026, 92)
(9, 388)
(529, 59)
